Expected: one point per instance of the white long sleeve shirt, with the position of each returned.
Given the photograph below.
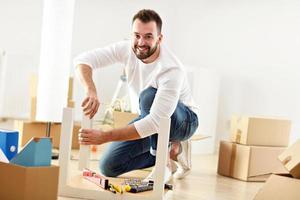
(166, 74)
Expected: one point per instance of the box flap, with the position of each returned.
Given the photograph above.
(279, 187)
(263, 161)
(290, 158)
(37, 152)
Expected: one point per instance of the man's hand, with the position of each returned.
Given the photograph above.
(92, 137)
(97, 137)
(90, 104)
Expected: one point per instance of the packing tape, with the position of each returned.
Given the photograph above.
(232, 160)
(236, 128)
(238, 136)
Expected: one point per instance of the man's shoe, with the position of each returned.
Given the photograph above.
(184, 161)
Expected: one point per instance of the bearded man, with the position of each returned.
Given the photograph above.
(159, 79)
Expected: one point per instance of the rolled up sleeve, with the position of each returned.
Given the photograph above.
(164, 104)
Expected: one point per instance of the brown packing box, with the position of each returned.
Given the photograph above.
(290, 158)
(55, 134)
(279, 187)
(260, 131)
(28, 183)
(28, 130)
(121, 119)
(249, 163)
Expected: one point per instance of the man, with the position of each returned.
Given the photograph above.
(159, 79)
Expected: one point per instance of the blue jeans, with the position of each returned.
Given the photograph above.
(122, 157)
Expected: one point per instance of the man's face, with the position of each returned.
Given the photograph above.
(145, 39)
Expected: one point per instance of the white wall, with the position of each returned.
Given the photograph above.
(20, 29)
(253, 45)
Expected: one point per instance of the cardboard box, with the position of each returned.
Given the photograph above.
(27, 130)
(290, 158)
(122, 119)
(28, 183)
(9, 143)
(260, 131)
(249, 163)
(279, 187)
(55, 134)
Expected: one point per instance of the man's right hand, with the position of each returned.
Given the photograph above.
(90, 104)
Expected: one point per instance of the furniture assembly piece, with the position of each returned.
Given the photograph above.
(76, 186)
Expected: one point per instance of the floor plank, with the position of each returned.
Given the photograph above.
(202, 184)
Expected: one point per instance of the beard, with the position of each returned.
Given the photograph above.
(146, 53)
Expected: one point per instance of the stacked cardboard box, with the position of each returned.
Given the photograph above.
(284, 186)
(29, 129)
(255, 144)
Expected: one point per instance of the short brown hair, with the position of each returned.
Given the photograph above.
(147, 15)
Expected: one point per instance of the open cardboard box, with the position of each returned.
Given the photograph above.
(260, 131)
(249, 163)
(28, 183)
(279, 187)
(290, 158)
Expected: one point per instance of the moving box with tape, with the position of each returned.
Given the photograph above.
(249, 163)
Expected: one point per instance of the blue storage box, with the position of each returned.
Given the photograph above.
(9, 142)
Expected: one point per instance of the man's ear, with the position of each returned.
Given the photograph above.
(160, 37)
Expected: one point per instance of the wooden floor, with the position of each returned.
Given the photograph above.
(202, 184)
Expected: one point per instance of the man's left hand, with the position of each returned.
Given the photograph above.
(92, 137)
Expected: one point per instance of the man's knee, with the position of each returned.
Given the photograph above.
(146, 98)
(107, 168)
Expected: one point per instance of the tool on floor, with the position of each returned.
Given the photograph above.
(116, 188)
(138, 185)
(95, 178)
(144, 186)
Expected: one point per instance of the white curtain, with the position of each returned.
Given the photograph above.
(55, 59)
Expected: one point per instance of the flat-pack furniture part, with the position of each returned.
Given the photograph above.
(75, 186)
